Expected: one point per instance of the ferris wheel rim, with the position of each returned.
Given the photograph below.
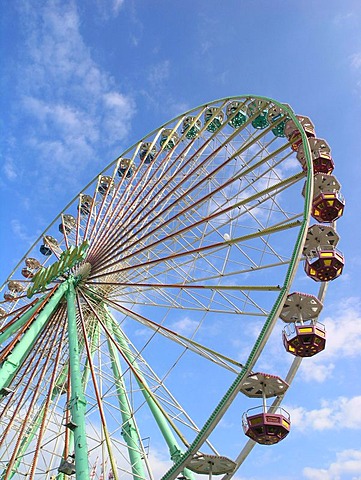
(309, 184)
(291, 271)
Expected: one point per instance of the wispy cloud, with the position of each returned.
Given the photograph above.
(345, 324)
(185, 326)
(10, 170)
(117, 5)
(109, 8)
(159, 73)
(21, 232)
(344, 19)
(316, 372)
(355, 61)
(339, 413)
(158, 79)
(346, 465)
(72, 103)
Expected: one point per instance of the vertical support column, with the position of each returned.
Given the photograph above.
(174, 449)
(77, 400)
(130, 433)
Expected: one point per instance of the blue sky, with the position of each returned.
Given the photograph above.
(82, 81)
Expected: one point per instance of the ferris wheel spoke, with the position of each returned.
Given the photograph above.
(189, 191)
(97, 394)
(157, 204)
(202, 299)
(198, 228)
(23, 316)
(49, 395)
(196, 251)
(206, 160)
(264, 193)
(9, 319)
(25, 380)
(185, 342)
(160, 383)
(31, 403)
(155, 406)
(103, 233)
(235, 242)
(22, 348)
(107, 203)
(144, 293)
(159, 413)
(192, 286)
(132, 434)
(131, 188)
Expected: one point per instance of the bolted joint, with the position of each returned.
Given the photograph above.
(176, 454)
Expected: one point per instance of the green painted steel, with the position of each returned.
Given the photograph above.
(20, 321)
(233, 390)
(14, 360)
(77, 400)
(129, 430)
(32, 430)
(84, 380)
(85, 377)
(268, 326)
(68, 259)
(174, 449)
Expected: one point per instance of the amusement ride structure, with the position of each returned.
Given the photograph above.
(135, 324)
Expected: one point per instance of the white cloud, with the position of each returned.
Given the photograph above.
(343, 340)
(21, 232)
(158, 462)
(117, 5)
(157, 81)
(312, 371)
(356, 60)
(344, 19)
(185, 326)
(120, 110)
(108, 9)
(345, 325)
(159, 73)
(10, 170)
(72, 104)
(337, 414)
(346, 467)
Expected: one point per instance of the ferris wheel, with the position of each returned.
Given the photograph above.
(134, 329)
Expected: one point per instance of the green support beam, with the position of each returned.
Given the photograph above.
(77, 400)
(19, 322)
(32, 430)
(84, 380)
(14, 360)
(174, 449)
(129, 430)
